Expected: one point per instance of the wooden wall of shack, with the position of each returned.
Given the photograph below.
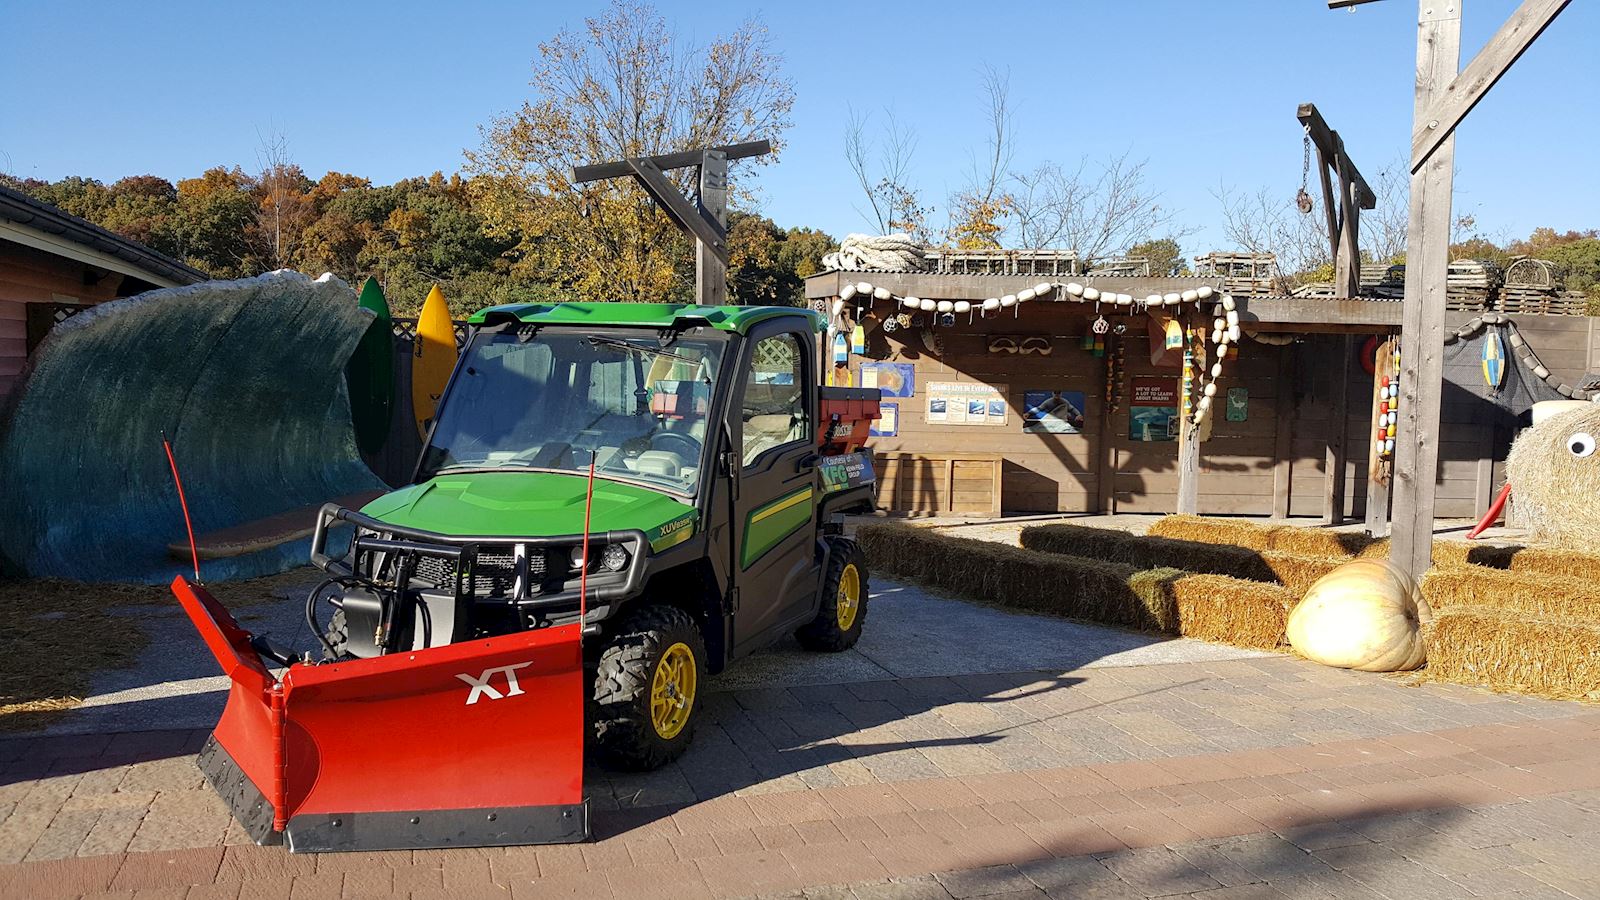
(1273, 462)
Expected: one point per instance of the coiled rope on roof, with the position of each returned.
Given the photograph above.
(878, 252)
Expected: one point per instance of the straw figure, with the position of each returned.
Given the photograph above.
(1555, 476)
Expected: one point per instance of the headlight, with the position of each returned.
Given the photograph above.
(612, 557)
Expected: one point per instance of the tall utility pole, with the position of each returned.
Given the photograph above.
(705, 219)
(1445, 93)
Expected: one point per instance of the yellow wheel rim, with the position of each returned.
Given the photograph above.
(849, 601)
(672, 691)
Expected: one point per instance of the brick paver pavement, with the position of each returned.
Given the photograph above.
(1245, 778)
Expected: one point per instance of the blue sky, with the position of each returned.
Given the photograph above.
(1206, 91)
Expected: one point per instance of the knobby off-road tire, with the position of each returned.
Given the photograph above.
(626, 732)
(338, 635)
(844, 601)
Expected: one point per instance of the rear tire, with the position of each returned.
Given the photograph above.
(646, 689)
(837, 626)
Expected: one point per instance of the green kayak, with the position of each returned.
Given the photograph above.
(370, 373)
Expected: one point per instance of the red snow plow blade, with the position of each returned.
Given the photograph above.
(473, 744)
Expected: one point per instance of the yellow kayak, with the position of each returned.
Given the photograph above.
(433, 356)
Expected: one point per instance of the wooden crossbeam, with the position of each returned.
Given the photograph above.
(600, 171)
(1452, 104)
(663, 191)
(705, 219)
(1331, 147)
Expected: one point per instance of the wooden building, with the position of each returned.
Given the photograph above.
(53, 264)
(1290, 434)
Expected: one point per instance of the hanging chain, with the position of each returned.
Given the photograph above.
(1303, 199)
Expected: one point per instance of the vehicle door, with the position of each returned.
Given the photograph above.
(773, 429)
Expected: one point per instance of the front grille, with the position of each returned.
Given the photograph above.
(494, 576)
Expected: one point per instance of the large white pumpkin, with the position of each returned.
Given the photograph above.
(1367, 614)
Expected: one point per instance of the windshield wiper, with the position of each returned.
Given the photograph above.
(628, 346)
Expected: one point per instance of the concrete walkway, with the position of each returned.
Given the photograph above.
(1171, 769)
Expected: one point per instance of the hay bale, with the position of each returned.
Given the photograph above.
(1230, 611)
(1294, 571)
(1162, 599)
(1554, 470)
(1147, 552)
(1301, 541)
(1298, 573)
(1553, 596)
(1235, 532)
(1516, 558)
(1010, 576)
(1513, 651)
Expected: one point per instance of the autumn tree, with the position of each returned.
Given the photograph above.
(1164, 254)
(768, 265)
(283, 211)
(624, 86)
(216, 213)
(979, 210)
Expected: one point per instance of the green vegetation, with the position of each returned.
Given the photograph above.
(510, 227)
(409, 235)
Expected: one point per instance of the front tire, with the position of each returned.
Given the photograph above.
(837, 626)
(646, 689)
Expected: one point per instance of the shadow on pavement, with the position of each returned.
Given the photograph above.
(1374, 850)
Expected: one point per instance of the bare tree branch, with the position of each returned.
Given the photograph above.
(1094, 210)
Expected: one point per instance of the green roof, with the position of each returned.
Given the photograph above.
(647, 315)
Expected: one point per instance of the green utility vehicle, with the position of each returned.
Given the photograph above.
(721, 471)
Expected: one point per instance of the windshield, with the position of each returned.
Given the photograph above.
(552, 399)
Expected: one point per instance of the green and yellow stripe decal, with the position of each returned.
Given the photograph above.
(671, 534)
(767, 526)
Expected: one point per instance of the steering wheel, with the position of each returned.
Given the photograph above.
(686, 447)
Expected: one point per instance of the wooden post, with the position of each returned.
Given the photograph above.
(1283, 434)
(1106, 447)
(711, 269)
(1378, 488)
(1333, 461)
(1422, 316)
(1188, 432)
(1347, 264)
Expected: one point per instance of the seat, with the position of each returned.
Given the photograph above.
(659, 462)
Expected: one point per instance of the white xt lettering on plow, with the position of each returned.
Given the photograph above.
(481, 686)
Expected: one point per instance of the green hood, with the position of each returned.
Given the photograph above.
(532, 504)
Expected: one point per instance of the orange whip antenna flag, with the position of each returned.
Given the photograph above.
(583, 577)
(194, 551)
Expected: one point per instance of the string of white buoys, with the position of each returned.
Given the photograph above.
(1224, 325)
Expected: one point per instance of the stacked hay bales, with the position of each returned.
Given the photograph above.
(1525, 629)
(1512, 593)
(1511, 618)
(1532, 560)
(1282, 538)
(1551, 657)
(1161, 599)
(1295, 571)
